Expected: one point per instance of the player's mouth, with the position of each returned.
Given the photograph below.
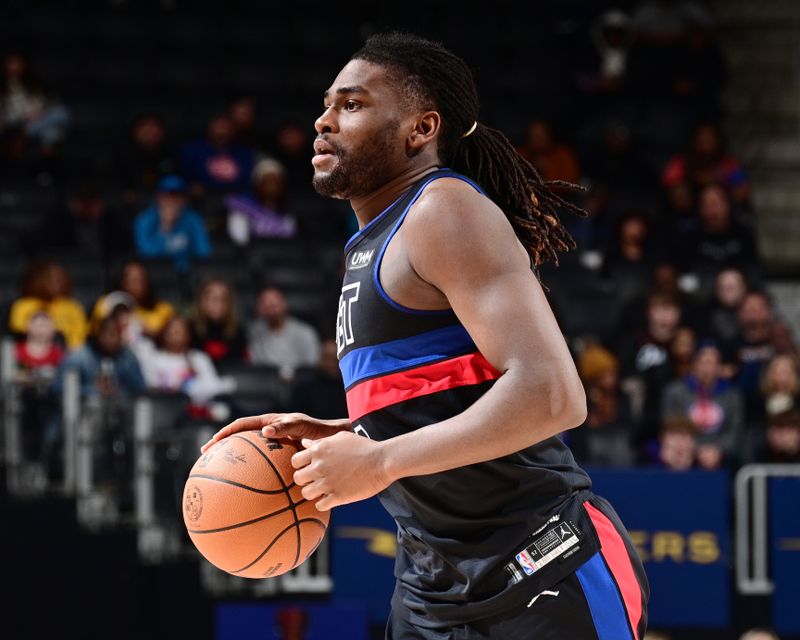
(323, 152)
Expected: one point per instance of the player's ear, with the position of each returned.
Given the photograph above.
(426, 128)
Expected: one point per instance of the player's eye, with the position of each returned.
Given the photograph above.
(351, 105)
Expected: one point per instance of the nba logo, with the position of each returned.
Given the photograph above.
(526, 562)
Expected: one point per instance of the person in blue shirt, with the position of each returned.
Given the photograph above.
(170, 227)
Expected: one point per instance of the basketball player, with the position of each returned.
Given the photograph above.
(458, 378)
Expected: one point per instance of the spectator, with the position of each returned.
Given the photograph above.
(629, 259)
(605, 437)
(278, 339)
(37, 358)
(677, 449)
(711, 404)
(170, 228)
(242, 112)
(681, 352)
(706, 163)
(176, 367)
(753, 347)
(730, 288)
(611, 39)
(321, 393)
(679, 215)
(144, 159)
(47, 287)
(780, 385)
(217, 164)
(26, 108)
(719, 242)
(107, 368)
(782, 439)
(216, 330)
(266, 215)
(136, 288)
(644, 355)
(292, 147)
(553, 160)
(664, 280)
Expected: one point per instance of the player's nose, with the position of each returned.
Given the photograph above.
(326, 123)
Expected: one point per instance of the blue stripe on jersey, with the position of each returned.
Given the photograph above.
(605, 603)
(405, 353)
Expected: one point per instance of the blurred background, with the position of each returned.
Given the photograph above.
(165, 266)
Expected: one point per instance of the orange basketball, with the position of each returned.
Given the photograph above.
(244, 512)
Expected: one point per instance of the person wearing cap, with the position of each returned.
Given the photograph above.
(170, 228)
(265, 214)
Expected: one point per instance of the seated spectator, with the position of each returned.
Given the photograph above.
(134, 287)
(47, 287)
(27, 109)
(629, 259)
(719, 241)
(664, 280)
(677, 442)
(217, 164)
(678, 215)
(711, 404)
(611, 38)
(242, 112)
(275, 338)
(604, 439)
(291, 149)
(753, 348)
(171, 228)
(781, 439)
(722, 321)
(175, 367)
(37, 358)
(780, 385)
(143, 159)
(553, 160)
(215, 327)
(705, 163)
(321, 393)
(107, 368)
(644, 355)
(681, 352)
(266, 214)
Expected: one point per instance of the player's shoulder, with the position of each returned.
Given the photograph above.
(451, 204)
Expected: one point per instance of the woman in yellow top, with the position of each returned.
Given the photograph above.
(152, 314)
(47, 287)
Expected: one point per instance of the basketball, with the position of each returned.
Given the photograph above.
(243, 511)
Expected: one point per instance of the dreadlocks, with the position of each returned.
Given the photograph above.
(434, 78)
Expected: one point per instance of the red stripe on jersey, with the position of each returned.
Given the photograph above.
(377, 393)
(616, 555)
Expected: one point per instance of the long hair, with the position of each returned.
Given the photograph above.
(435, 78)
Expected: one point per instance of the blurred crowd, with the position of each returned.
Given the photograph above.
(213, 258)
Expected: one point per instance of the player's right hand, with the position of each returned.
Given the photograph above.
(295, 426)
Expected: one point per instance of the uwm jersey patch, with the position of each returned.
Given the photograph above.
(405, 369)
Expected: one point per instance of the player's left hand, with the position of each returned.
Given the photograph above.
(340, 469)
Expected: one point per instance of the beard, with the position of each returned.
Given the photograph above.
(360, 171)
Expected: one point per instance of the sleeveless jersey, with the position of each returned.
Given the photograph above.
(404, 369)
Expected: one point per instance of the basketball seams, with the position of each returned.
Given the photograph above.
(265, 492)
(292, 505)
(241, 524)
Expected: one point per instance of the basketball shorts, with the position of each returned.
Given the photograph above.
(605, 599)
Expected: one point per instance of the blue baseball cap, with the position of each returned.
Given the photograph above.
(172, 184)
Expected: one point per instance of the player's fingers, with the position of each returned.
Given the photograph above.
(326, 502)
(312, 491)
(240, 424)
(305, 476)
(301, 458)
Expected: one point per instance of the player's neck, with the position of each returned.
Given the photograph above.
(368, 207)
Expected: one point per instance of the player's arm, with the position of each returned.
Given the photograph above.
(462, 244)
